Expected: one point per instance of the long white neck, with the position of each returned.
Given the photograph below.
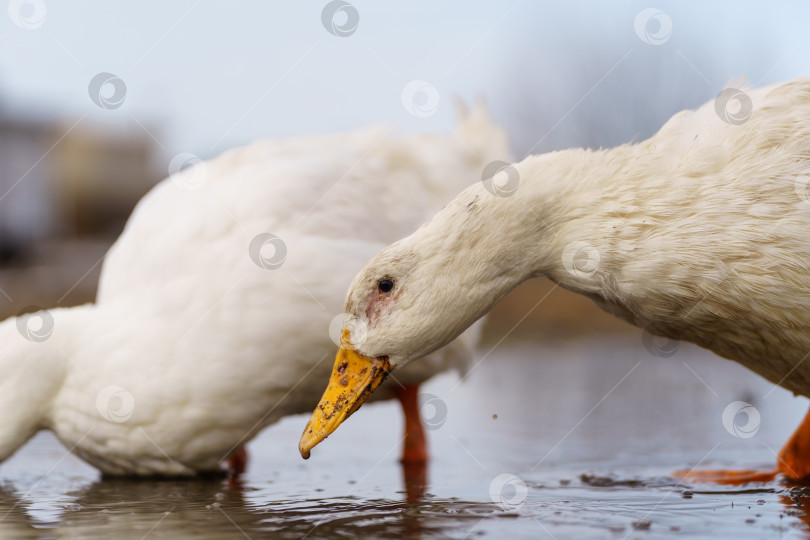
(573, 216)
(577, 200)
(554, 217)
(698, 234)
(652, 237)
(489, 239)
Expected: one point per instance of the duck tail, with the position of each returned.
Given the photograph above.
(32, 371)
(475, 126)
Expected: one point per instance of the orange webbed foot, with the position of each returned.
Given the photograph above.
(727, 477)
(793, 462)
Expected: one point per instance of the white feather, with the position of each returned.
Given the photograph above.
(701, 233)
(191, 347)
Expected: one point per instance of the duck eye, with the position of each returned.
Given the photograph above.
(385, 286)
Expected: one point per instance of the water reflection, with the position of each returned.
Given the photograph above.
(589, 471)
(217, 508)
(14, 520)
(415, 479)
(214, 508)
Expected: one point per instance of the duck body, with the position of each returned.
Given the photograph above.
(197, 340)
(699, 233)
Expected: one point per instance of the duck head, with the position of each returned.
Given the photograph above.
(411, 299)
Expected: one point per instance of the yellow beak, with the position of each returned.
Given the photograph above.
(353, 379)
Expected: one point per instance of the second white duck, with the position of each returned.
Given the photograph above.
(214, 305)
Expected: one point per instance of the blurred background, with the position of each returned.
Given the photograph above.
(98, 101)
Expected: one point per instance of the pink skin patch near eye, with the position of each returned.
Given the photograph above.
(380, 304)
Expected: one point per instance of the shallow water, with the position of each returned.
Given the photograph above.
(589, 430)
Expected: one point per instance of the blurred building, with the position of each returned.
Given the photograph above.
(99, 175)
(64, 180)
(27, 208)
(67, 188)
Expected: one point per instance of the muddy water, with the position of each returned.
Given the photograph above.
(571, 440)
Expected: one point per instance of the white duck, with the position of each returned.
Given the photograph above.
(214, 305)
(700, 233)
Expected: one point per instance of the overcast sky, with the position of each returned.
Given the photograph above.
(203, 76)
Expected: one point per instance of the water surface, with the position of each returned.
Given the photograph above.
(568, 440)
